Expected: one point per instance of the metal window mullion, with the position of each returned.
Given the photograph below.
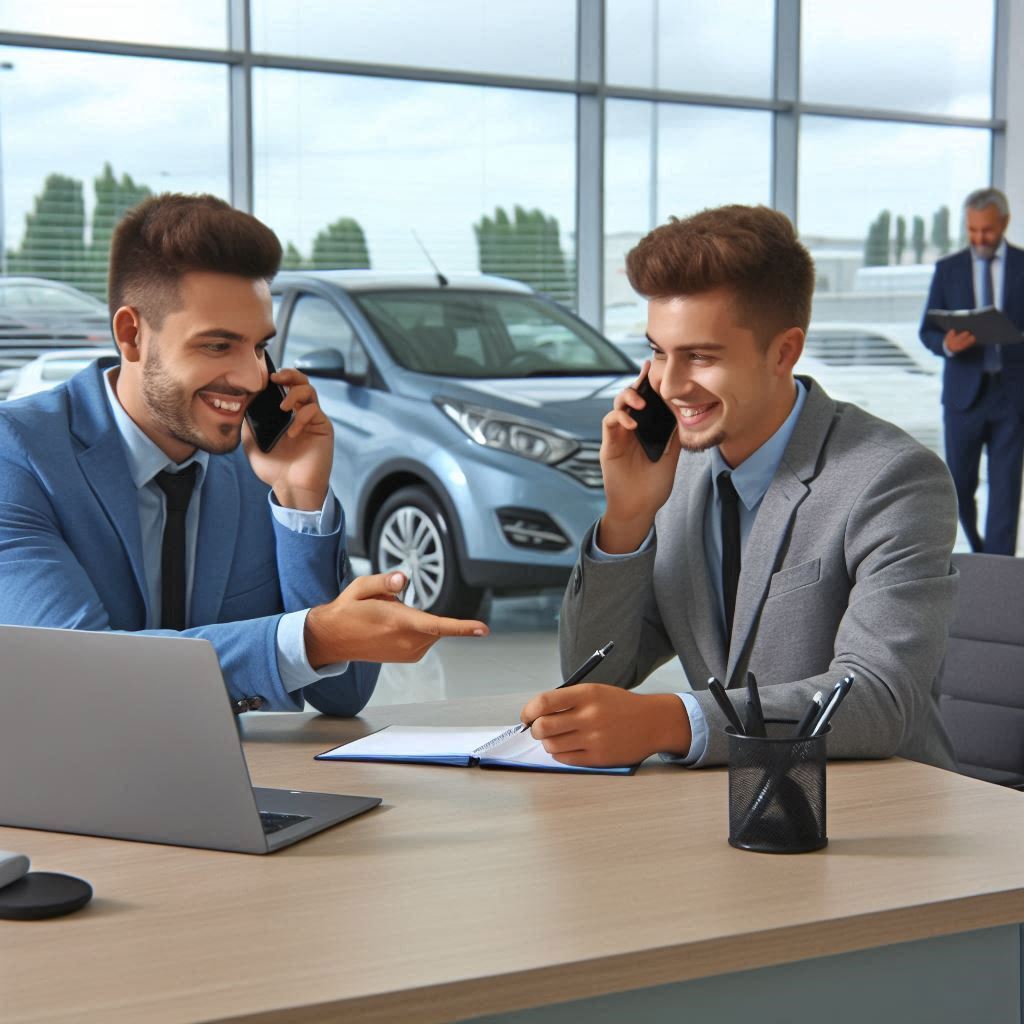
(1000, 90)
(590, 163)
(240, 107)
(786, 120)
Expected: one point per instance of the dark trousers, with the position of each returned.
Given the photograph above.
(992, 423)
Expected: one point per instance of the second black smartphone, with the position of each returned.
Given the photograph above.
(267, 420)
(654, 422)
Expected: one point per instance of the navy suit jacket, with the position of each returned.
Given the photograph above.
(71, 548)
(953, 288)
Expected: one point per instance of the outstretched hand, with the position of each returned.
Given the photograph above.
(367, 622)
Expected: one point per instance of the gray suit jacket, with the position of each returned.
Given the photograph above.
(846, 569)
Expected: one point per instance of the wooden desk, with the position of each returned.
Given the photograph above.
(476, 892)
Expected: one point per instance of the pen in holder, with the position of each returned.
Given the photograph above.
(777, 790)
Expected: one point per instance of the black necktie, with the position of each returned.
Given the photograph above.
(178, 488)
(730, 546)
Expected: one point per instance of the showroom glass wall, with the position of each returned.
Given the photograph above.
(371, 120)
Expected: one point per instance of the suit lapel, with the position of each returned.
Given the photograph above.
(105, 467)
(215, 544)
(766, 545)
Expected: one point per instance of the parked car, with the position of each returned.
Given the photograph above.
(37, 315)
(467, 422)
(51, 368)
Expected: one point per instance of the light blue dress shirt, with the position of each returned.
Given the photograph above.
(751, 480)
(145, 461)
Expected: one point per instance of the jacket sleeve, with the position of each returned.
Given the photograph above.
(613, 600)
(930, 335)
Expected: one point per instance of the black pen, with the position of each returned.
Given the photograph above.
(584, 670)
(841, 690)
(755, 717)
(810, 715)
(718, 692)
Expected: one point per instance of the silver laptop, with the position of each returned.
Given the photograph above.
(133, 737)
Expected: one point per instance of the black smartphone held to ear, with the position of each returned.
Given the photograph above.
(266, 419)
(654, 422)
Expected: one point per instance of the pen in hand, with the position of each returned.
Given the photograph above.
(580, 674)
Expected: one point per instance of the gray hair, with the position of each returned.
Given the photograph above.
(982, 197)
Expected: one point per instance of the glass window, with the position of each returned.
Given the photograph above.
(316, 324)
(62, 200)
(482, 334)
(927, 56)
(528, 37)
(725, 47)
(352, 171)
(183, 23)
(878, 204)
(669, 159)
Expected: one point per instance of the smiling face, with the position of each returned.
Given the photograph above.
(725, 387)
(188, 383)
(985, 229)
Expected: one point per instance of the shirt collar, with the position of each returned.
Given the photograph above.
(145, 459)
(999, 254)
(753, 475)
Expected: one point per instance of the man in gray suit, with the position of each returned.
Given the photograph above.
(798, 537)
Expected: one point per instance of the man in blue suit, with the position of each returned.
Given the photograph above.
(982, 385)
(134, 498)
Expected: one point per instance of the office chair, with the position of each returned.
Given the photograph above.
(982, 686)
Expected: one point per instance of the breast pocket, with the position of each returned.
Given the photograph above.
(796, 576)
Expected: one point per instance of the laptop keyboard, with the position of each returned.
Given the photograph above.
(274, 822)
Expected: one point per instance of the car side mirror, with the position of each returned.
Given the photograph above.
(323, 362)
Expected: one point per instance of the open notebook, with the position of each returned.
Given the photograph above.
(488, 746)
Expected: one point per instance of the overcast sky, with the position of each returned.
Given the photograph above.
(434, 157)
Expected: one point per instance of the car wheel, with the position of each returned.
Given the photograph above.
(411, 532)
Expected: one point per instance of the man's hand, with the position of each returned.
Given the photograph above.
(298, 467)
(635, 488)
(957, 341)
(601, 726)
(367, 622)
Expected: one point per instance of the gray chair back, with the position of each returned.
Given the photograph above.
(982, 686)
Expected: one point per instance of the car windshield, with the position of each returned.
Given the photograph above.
(479, 334)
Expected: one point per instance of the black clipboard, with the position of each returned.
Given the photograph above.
(988, 324)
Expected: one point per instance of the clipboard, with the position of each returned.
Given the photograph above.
(988, 324)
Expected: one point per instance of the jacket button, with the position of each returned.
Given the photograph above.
(577, 580)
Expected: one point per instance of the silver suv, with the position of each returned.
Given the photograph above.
(467, 416)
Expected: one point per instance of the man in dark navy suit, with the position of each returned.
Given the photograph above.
(983, 385)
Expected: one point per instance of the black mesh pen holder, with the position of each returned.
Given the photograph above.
(777, 790)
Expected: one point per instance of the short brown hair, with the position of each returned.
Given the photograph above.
(751, 250)
(169, 235)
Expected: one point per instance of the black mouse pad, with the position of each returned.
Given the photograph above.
(41, 894)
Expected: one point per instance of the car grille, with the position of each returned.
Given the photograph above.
(585, 465)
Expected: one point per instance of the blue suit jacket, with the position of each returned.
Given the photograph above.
(953, 288)
(71, 548)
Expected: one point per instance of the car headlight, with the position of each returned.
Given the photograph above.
(509, 433)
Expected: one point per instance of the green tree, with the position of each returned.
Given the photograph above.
(340, 246)
(917, 239)
(291, 258)
(876, 246)
(526, 247)
(114, 198)
(54, 241)
(940, 230)
(901, 238)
